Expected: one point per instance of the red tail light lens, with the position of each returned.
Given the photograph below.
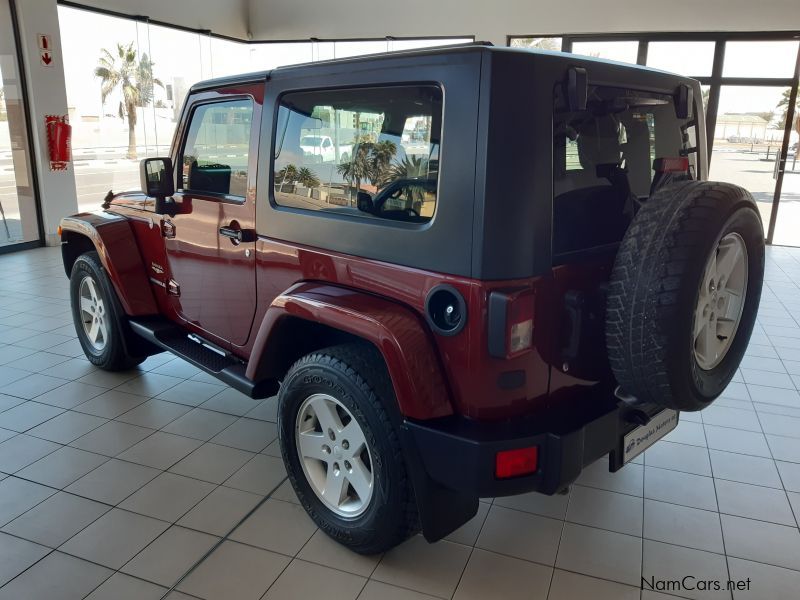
(677, 164)
(513, 463)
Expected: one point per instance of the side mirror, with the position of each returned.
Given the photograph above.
(364, 202)
(156, 177)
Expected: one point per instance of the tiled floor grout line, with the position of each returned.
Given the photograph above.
(780, 477)
(644, 502)
(558, 545)
(469, 556)
(223, 539)
(716, 501)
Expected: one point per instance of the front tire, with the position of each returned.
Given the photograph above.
(97, 315)
(684, 293)
(342, 451)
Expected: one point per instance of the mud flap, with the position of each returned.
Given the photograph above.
(441, 510)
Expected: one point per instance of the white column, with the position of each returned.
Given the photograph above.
(47, 95)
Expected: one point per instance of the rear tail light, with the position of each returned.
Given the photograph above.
(672, 164)
(513, 463)
(510, 323)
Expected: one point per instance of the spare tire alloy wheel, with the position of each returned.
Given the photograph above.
(720, 301)
(335, 456)
(684, 293)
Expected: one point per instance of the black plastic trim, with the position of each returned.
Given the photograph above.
(169, 336)
(498, 323)
(459, 454)
(511, 380)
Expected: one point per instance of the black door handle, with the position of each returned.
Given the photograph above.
(230, 232)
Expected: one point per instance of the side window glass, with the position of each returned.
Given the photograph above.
(215, 153)
(369, 152)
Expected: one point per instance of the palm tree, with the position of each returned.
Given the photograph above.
(381, 157)
(135, 80)
(370, 161)
(289, 172)
(411, 167)
(784, 105)
(359, 166)
(307, 178)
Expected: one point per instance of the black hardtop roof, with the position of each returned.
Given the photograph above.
(482, 47)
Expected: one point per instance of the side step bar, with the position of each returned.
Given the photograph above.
(170, 337)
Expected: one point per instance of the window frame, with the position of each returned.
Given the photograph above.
(191, 108)
(373, 219)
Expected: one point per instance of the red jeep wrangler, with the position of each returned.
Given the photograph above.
(506, 265)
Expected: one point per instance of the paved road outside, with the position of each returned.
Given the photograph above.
(754, 172)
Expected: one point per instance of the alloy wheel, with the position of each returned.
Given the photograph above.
(93, 313)
(335, 455)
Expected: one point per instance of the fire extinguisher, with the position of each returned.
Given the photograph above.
(59, 132)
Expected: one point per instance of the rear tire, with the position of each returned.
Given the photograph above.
(352, 380)
(664, 287)
(98, 316)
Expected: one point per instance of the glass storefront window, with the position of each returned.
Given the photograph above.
(269, 56)
(540, 43)
(760, 59)
(620, 51)
(787, 226)
(747, 137)
(345, 49)
(396, 45)
(694, 59)
(110, 135)
(18, 214)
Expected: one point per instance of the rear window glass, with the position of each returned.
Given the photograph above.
(364, 152)
(603, 160)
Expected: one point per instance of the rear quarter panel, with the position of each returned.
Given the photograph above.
(470, 375)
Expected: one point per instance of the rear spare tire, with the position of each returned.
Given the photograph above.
(684, 293)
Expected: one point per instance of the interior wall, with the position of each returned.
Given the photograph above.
(226, 17)
(298, 19)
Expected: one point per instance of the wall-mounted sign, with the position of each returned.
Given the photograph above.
(45, 50)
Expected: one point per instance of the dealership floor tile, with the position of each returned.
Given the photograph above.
(160, 482)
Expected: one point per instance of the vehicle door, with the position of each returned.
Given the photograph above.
(210, 239)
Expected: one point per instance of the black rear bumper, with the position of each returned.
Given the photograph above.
(461, 455)
(457, 455)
